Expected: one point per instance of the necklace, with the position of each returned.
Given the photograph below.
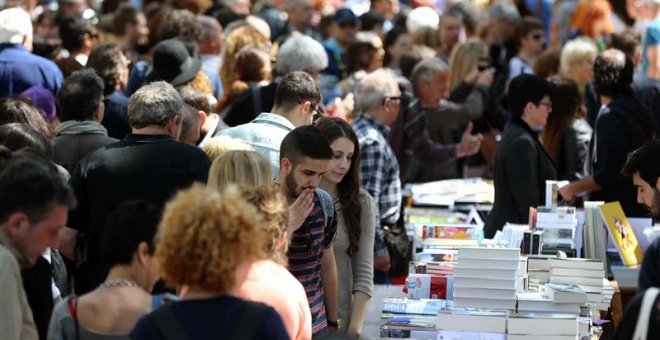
(119, 283)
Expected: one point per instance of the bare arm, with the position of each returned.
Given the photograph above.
(329, 280)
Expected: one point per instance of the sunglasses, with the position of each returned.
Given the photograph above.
(537, 36)
(393, 98)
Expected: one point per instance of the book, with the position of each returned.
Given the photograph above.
(621, 233)
(626, 276)
(536, 301)
(489, 253)
(595, 273)
(540, 337)
(538, 262)
(472, 320)
(485, 293)
(466, 302)
(542, 324)
(560, 293)
(462, 335)
(573, 280)
(470, 282)
(487, 263)
(484, 273)
(579, 263)
(526, 246)
(411, 306)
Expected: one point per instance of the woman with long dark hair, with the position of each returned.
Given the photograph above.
(567, 134)
(354, 243)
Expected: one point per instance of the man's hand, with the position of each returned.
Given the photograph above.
(469, 144)
(567, 193)
(299, 210)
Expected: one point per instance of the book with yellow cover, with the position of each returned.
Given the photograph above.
(622, 234)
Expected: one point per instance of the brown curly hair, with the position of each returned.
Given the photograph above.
(206, 235)
(237, 39)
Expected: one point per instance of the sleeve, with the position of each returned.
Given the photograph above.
(521, 165)
(373, 161)
(60, 312)
(649, 273)
(77, 216)
(569, 156)
(653, 36)
(272, 326)
(424, 148)
(11, 311)
(612, 146)
(363, 259)
(146, 329)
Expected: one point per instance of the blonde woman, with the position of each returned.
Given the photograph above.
(242, 167)
(206, 240)
(577, 61)
(466, 60)
(217, 146)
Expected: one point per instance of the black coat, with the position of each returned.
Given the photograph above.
(522, 165)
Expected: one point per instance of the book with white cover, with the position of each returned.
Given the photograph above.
(591, 289)
(540, 337)
(489, 253)
(535, 301)
(576, 263)
(485, 293)
(471, 282)
(542, 324)
(597, 273)
(538, 262)
(560, 293)
(464, 302)
(576, 280)
(462, 335)
(540, 276)
(485, 263)
(472, 320)
(460, 271)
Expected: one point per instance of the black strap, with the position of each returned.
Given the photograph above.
(249, 321)
(168, 324)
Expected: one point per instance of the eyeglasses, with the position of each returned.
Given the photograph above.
(547, 105)
(393, 98)
(537, 36)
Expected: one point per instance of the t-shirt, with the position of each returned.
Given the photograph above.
(517, 66)
(652, 38)
(213, 318)
(305, 257)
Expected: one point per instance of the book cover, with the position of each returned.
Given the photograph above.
(621, 233)
(472, 320)
(412, 306)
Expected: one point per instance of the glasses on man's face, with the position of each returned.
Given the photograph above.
(392, 98)
(546, 104)
(537, 36)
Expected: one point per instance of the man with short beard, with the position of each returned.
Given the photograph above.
(644, 166)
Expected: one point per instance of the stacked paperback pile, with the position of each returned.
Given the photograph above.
(538, 271)
(406, 317)
(608, 293)
(542, 326)
(558, 225)
(539, 302)
(486, 278)
(587, 274)
(594, 234)
(458, 323)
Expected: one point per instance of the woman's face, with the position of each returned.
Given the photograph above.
(583, 71)
(401, 44)
(379, 56)
(340, 163)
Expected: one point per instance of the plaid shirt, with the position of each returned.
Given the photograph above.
(379, 172)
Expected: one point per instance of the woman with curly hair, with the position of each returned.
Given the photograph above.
(206, 241)
(236, 40)
(252, 68)
(354, 242)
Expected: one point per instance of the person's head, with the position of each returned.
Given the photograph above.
(173, 63)
(344, 172)
(532, 101)
(81, 97)
(156, 105)
(427, 36)
(111, 65)
(451, 28)
(345, 24)
(530, 36)
(297, 97)
(179, 23)
(191, 125)
(421, 17)
(465, 58)
(34, 202)
(547, 64)
(300, 13)
(505, 16)
(412, 57)
(128, 241)
(613, 74)
(301, 53)
(644, 166)
(195, 98)
(205, 236)
(372, 21)
(386, 8)
(564, 112)
(217, 146)
(242, 167)
(17, 109)
(197, 7)
(374, 54)
(396, 42)
(212, 35)
(253, 64)
(78, 35)
(16, 27)
(237, 6)
(643, 10)
(304, 158)
(237, 39)
(594, 20)
(471, 15)
(577, 60)
(630, 43)
(129, 23)
(16, 136)
(73, 8)
(43, 100)
(378, 95)
(430, 80)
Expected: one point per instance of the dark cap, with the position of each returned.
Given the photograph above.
(173, 64)
(345, 16)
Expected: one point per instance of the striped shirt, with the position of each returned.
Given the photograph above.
(305, 257)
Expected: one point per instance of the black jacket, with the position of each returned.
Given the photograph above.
(522, 165)
(623, 126)
(573, 158)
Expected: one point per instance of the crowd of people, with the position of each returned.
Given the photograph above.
(234, 169)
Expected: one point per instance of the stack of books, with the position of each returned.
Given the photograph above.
(594, 232)
(486, 278)
(587, 274)
(539, 302)
(542, 326)
(558, 225)
(459, 323)
(403, 317)
(538, 271)
(443, 268)
(608, 293)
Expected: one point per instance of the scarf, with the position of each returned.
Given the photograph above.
(81, 127)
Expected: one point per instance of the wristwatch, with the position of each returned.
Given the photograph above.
(335, 324)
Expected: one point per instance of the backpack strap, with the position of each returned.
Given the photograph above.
(72, 303)
(327, 204)
(648, 301)
(168, 324)
(249, 320)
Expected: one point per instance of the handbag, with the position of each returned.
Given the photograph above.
(399, 246)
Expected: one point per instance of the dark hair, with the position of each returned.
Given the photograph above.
(249, 65)
(547, 64)
(72, 32)
(109, 62)
(18, 109)
(613, 74)
(296, 87)
(646, 161)
(526, 88)
(179, 23)
(470, 14)
(80, 95)
(132, 223)
(627, 42)
(349, 187)
(390, 39)
(16, 136)
(370, 20)
(31, 184)
(305, 141)
(195, 98)
(564, 112)
(125, 14)
(412, 57)
(189, 118)
(527, 25)
(359, 56)
(452, 12)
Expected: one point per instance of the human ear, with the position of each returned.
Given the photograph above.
(143, 252)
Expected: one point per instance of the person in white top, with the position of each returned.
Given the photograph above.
(530, 40)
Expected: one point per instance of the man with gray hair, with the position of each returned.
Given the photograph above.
(149, 164)
(20, 69)
(300, 53)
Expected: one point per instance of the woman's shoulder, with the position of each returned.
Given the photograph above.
(365, 197)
